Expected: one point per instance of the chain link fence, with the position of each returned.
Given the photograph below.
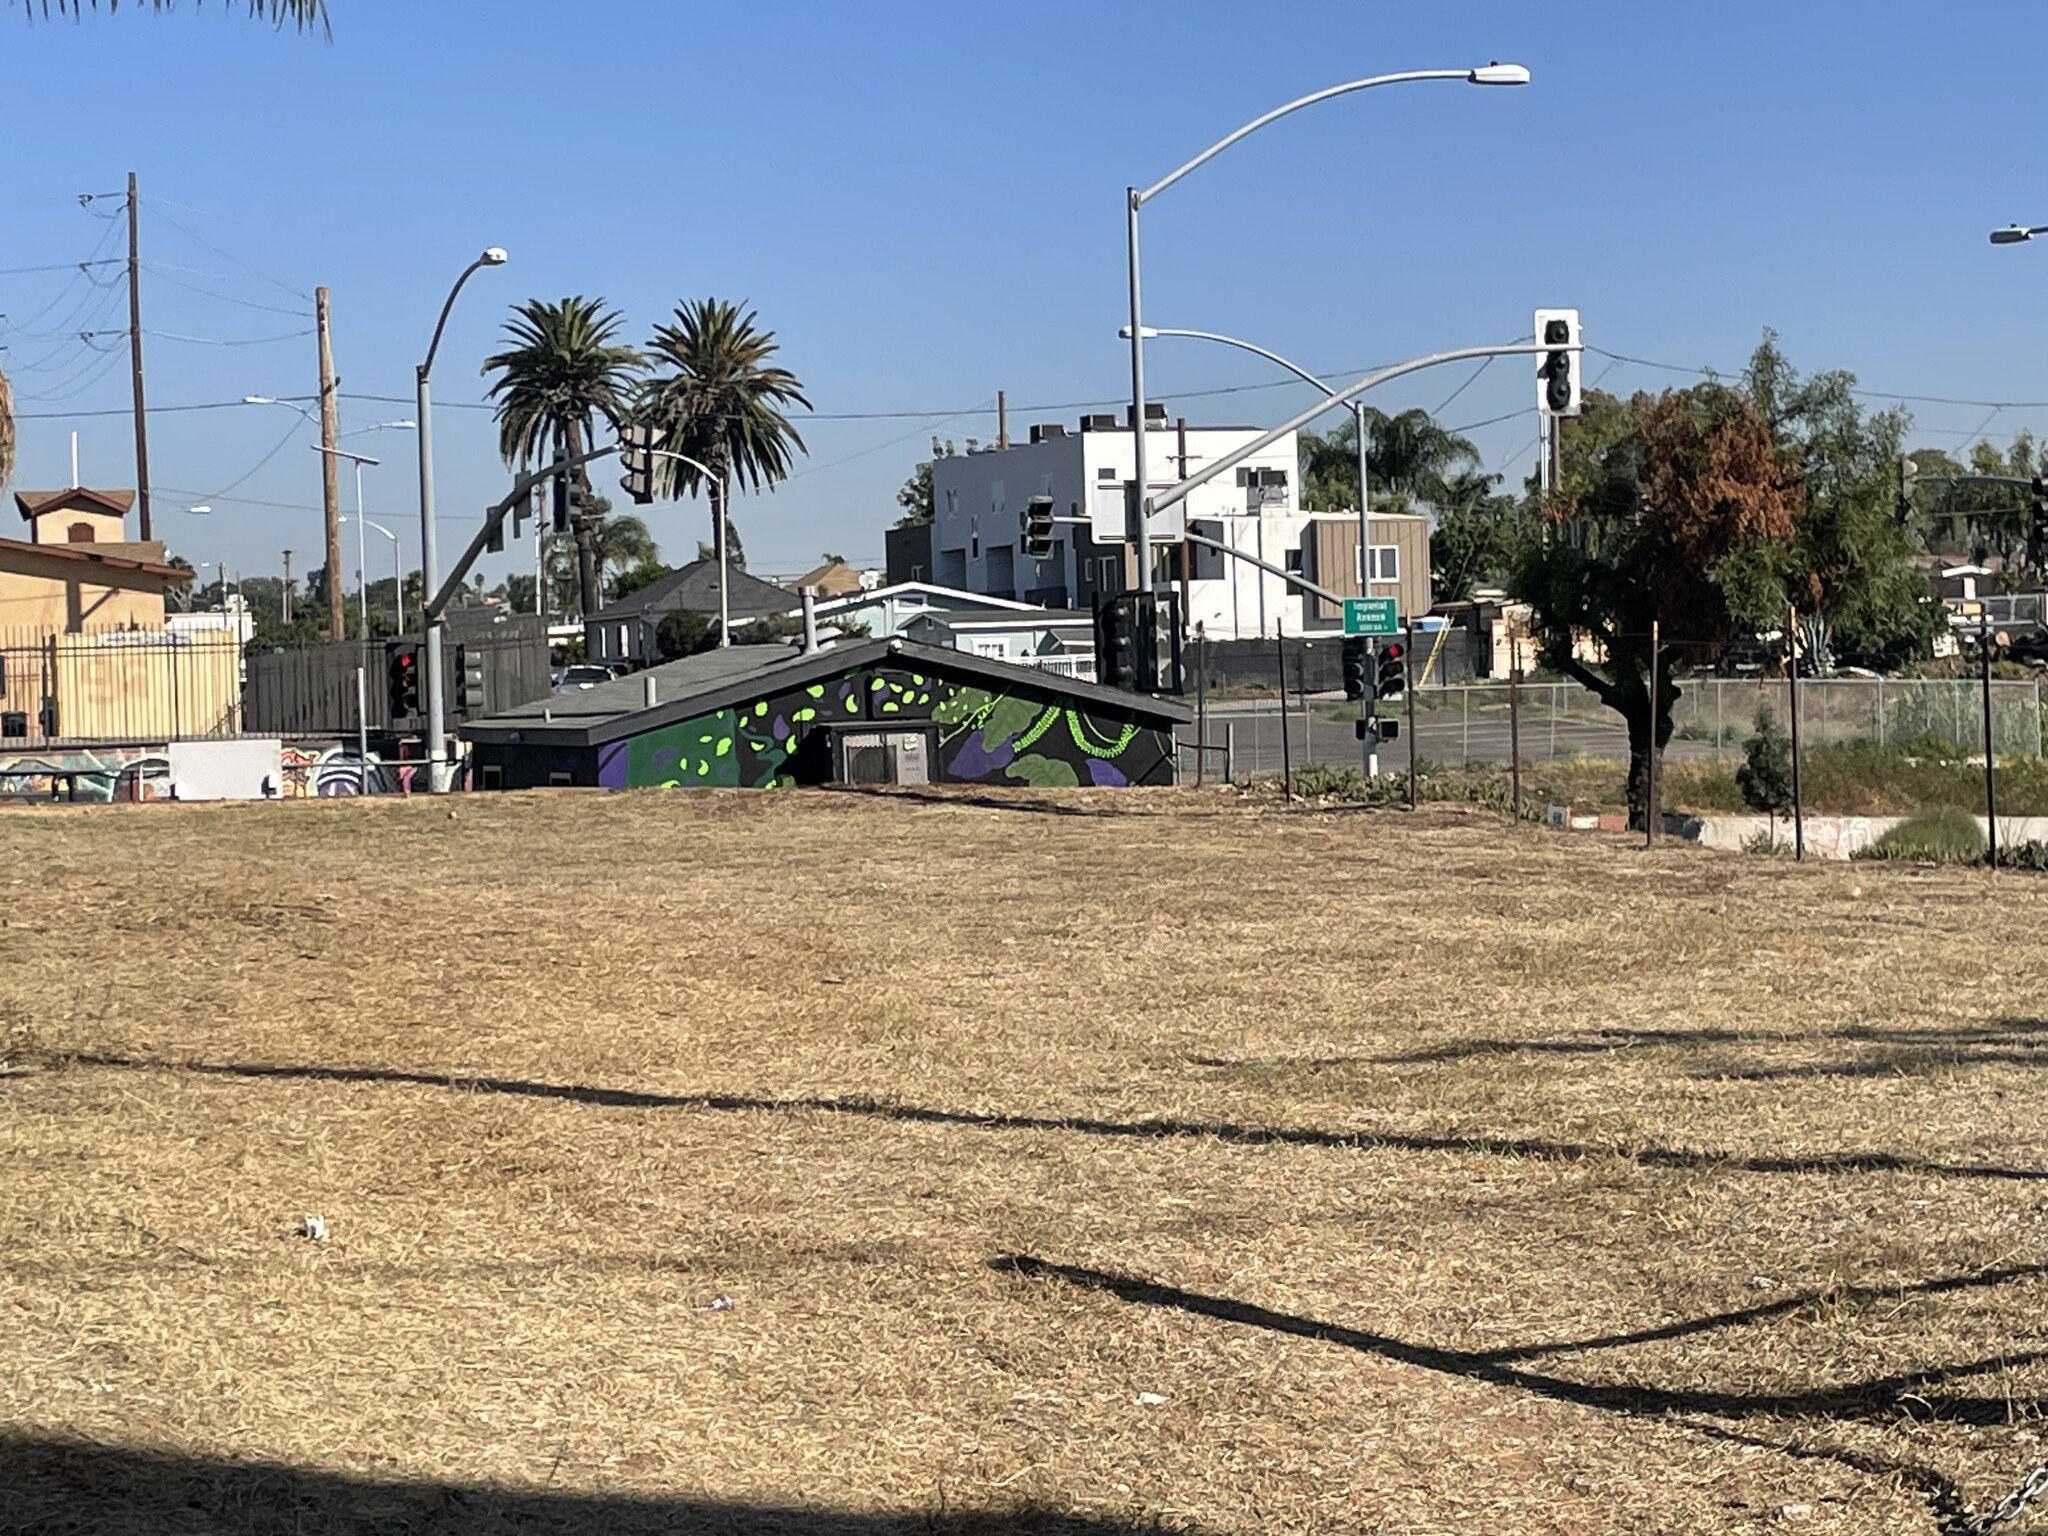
(1470, 724)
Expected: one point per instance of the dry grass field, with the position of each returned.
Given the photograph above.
(818, 1162)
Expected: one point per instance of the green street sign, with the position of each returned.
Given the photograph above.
(1370, 616)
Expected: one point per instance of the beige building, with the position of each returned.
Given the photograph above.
(1397, 559)
(84, 650)
(77, 570)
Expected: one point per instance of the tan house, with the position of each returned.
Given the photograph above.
(1397, 560)
(77, 570)
(835, 578)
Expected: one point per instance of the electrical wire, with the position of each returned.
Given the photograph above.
(235, 341)
(157, 205)
(236, 484)
(57, 266)
(1868, 394)
(168, 274)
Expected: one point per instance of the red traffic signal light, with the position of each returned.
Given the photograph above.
(1392, 651)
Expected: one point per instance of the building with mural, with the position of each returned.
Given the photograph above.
(871, 712)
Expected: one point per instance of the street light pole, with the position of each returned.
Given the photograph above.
(1135, 199)
(436, 700)
(717, 488)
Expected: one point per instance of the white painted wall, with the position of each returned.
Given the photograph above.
(979, 500)
(226, 770)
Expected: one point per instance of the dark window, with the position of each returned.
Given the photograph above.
(493, 776)
(79, 533)
(556, 780)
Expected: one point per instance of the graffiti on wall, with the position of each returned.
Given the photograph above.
(984, 736)
(329, 772)
(110, 773)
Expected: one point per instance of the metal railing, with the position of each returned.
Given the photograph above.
(118, 685)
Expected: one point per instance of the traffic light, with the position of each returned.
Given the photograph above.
(636, 453)
(469, 667)
(1357, 674)
(1557, 380)
(1116, 662)
(1393, 672)
(522, 513)
(494, 543)
(1038, 527)
(402, 679)
(559, 486)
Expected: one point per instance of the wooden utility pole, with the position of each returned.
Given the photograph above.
(287, 615)
(330, 461)
(1002, 419)
(135, 354)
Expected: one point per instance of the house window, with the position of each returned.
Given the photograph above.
(1383, 563)
(1293, 562)
(952, 501)
(560, 780)
(493, 776)
(623, 646)
(974, 538)
(1107, 472)
(79, 533)
(995, 650)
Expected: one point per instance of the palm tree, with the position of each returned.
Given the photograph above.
(563, 371)
(1413, 455)
(302, 14)
(717, 398)
(622, 543)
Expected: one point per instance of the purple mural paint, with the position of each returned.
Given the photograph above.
(780, 730)
(1106, 775)
(611, 766)
(971, 762)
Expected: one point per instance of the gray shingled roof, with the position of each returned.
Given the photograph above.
(695, 587)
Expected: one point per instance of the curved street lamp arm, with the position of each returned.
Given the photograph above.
(1344, 396)
(368, 524)
(440, 325)
(1257, 351)
(1140, 198)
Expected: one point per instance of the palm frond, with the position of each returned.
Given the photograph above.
(719, 399)
(6, 430)
(563, 372)
(301, 15)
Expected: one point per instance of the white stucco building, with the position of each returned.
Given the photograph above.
(979, 501)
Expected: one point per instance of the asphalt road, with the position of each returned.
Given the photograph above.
(1442, 736)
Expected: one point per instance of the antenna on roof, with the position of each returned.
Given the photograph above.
(74, 461)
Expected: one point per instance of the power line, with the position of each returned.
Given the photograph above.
(1868, 394)
(230, 341)
(169, 275)
(157, 206)
(59, 266)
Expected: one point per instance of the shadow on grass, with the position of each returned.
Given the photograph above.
(2000, 1042)
(58, 1486)
(1153, 1129)
(1903, 1394)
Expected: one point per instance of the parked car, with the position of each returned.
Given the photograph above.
(582, 675)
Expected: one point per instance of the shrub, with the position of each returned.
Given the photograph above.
(1946, 835)
(1935, 748)
(683, 633)
(2031, 854)
(1765, 777)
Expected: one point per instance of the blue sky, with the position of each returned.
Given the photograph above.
(924, 201)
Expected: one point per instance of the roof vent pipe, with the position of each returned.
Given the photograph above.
(810, 621)
(648, 690)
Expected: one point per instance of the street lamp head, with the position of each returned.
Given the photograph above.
(2012, 234)
(1498, 73)
(494, 257)
(259, 400)
(1145, 332)
(199, 511)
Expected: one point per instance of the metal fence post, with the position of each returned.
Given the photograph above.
(1880, 714)
(1230, 750)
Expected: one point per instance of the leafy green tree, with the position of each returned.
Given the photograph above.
(634, 577)
(1672, 510)
(1852, 556)
(915, 495)
(564, 371)
(717, 396)
(1475, 538)
(684, 633)
(521, 591)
